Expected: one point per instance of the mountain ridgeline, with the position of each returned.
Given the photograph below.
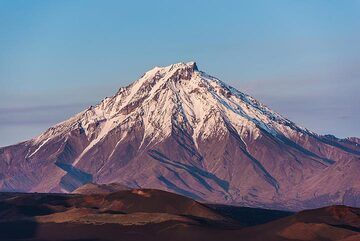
(181, 130)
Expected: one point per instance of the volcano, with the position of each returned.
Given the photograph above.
(181, 130)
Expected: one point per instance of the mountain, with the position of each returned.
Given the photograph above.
(182, 130)
(148, 214)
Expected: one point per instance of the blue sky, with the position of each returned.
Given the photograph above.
(301, 58)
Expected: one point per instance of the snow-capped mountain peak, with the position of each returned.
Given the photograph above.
(180, 129)
(178, 94)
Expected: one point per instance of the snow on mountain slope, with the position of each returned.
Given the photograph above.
(182, 130)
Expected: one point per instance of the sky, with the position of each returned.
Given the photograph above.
(299, 57)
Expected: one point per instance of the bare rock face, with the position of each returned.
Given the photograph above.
(181, 130)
